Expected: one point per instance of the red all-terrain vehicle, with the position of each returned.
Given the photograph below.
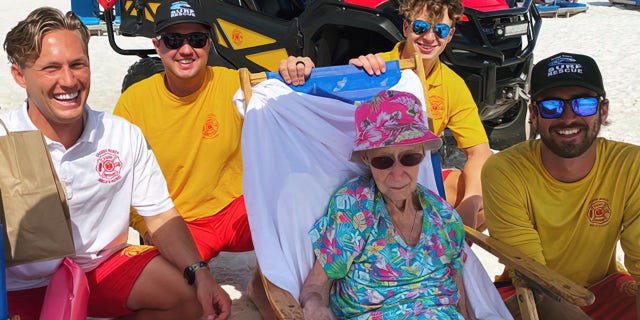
(492, 49)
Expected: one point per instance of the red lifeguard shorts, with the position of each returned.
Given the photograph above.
(446, 173)
(109, 286)
(228, 230)
(615, 298)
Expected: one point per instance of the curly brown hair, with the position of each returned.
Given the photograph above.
(24, 42)
(435, 9)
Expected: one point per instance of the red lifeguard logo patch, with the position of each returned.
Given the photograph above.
(108, 166)
(628, 287)
(132, 251)
(599, 212)
(210, 128)
(436, 107)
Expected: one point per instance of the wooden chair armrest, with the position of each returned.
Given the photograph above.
(283, 304)
(531, 270)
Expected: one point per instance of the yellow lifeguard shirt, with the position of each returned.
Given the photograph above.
(196, 140)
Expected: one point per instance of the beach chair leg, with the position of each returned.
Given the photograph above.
(512, 305)
(283, 304)
(526, 303)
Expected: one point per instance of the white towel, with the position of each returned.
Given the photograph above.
(296, 150)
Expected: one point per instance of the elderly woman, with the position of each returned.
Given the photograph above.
(387, 248)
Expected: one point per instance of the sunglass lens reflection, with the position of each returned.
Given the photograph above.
(551, 108)
(420, 27)
(585, 107)
(441, 30)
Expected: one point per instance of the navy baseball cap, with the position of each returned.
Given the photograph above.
(566, 70)
(179, 11)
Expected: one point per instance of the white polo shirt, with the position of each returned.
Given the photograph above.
(110, 169)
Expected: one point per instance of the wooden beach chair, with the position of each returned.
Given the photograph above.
(532, 275)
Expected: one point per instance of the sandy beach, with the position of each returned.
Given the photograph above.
(607, 33)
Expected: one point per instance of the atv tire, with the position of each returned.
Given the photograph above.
(142, 69)
(504, 135)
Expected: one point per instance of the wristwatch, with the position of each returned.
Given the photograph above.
(190, 271)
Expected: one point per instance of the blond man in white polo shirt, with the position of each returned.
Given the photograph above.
(106, 167)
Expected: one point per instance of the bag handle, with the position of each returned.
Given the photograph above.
(5, 127)
(11, 144)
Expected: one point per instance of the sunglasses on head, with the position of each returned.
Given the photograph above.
(196, 40)
(581, 106)
(407, 160)
(421, 27)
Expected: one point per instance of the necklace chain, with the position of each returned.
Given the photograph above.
(413, 224)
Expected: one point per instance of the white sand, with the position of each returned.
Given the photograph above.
(607, 33)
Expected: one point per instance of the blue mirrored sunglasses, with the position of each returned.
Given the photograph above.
(421, 27)
(581, 106)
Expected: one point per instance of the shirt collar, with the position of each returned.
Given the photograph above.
(435, 79)
(88, 134)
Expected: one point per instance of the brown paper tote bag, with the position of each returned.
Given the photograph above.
(33, 207)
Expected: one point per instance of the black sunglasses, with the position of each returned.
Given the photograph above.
(581, 106)
(407, 160)
(421, 27)
(196, 40)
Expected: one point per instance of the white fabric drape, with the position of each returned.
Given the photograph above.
(296, 149)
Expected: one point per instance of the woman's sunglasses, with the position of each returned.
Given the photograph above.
(421, 27)
(582, 106)
(196, 40)
(386, 162)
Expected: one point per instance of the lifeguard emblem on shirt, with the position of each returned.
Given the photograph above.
(436, 107)
(132, 251)
(628, 287)
(599, 212)
(210, 128)
(108, 166)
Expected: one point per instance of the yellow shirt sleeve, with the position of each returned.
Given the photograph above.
(506, 207)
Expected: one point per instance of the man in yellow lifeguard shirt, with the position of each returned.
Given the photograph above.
(186, 114)
(567, 198)
(428, 28)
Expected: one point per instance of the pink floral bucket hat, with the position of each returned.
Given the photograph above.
(392, 118)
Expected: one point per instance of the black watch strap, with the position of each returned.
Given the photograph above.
(190, 271)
